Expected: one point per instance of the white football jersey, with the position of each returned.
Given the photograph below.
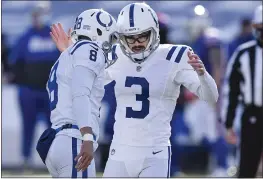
(83, 53)
(146, 94)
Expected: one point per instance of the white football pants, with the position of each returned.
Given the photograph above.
(60, 159)
(129, 161)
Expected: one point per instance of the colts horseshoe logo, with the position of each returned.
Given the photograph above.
(101, 23)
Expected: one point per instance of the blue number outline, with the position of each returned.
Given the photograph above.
(78, 23)
(53, 86)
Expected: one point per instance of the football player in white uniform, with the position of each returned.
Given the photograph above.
(76, 87)
(148, 77)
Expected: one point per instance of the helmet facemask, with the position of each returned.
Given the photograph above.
(107, 48)
(126, 40)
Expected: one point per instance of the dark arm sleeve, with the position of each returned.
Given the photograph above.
(233, 79)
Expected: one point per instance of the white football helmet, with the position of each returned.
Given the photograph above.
(97, 25)
(135, 19)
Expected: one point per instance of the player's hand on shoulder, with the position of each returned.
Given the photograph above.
(60, 38)
(85, 156)
(196, 62)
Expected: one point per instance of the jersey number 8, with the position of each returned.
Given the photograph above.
(93, 55)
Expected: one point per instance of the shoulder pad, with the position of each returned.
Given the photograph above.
(79, 44)
(176, 52)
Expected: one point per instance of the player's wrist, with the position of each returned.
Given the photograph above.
(88, 137)
(87, 134)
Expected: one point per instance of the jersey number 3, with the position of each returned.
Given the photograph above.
(143, 97)
(53, 87)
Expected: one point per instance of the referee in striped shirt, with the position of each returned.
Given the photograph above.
(244, 78)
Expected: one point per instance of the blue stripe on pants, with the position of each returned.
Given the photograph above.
(169, 162)
(74, 154)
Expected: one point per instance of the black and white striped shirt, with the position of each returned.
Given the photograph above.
(243, 82)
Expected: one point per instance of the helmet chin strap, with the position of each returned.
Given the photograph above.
(140, 60)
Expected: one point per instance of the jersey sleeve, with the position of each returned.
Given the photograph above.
(183, 64)
(177, 54)
(81, 89)
(88, 55)
(203, 86)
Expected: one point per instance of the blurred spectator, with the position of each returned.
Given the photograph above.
(4, 56)
(164, 29)
(205, 41)
(31, 60)
(244, 35)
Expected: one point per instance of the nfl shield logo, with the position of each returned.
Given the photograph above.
(138, 68)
